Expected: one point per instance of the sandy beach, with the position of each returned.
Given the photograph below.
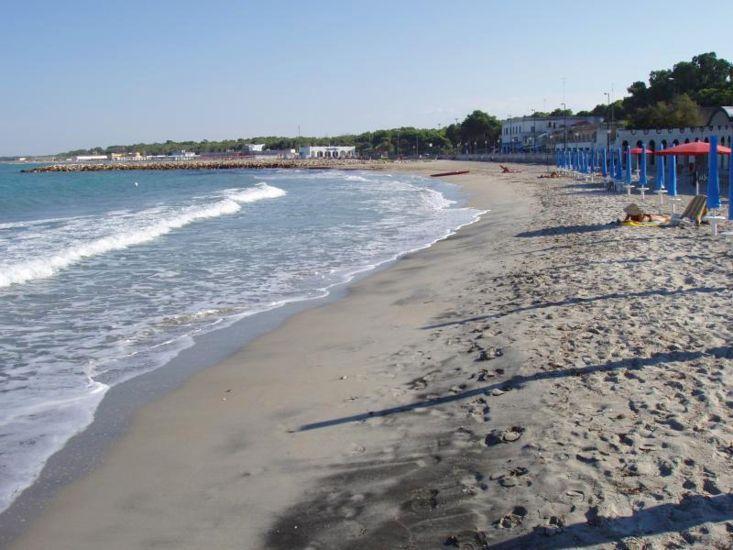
(541, 379)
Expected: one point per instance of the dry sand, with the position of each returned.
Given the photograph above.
(539, 380)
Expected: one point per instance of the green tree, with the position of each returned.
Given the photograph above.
(480, 127)
(681, 112)
(561, 112)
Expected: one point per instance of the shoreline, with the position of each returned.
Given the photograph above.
(539, 379)
(122, 402)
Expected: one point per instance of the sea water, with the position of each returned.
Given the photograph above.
(108, 275)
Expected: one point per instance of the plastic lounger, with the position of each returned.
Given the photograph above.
(696, 209)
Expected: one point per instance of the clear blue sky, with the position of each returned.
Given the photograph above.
(78, 73)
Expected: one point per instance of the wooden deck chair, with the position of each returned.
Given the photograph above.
(696, 209)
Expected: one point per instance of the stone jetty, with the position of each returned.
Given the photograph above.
(212, 164)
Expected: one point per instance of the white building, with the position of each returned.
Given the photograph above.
(530, 133)
(87, 158)
(330, 151)
(254, 147)
(183, 155)
(276, 153)
(719, 123)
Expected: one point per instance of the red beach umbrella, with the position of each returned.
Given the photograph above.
(639, 151)
(694, 149)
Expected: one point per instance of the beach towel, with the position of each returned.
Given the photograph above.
(653, 223)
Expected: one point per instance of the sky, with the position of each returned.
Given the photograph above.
(77, 73)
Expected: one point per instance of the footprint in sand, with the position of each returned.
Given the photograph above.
(513, 518)
(507, 436)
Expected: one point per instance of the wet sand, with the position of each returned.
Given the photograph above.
(540, 379)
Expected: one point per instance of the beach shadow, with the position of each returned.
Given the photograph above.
(622, 239)
(566, 230)
(586, 185)
(519, 381)
(691, 511)
(580, 300)
(591, 263)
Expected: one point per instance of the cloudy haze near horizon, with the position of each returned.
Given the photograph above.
(85, 74)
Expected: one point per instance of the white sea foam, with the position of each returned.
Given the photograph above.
(229, 203)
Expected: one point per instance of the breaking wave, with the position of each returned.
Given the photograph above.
(136, 233)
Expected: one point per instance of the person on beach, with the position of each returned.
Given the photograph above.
(635, 214)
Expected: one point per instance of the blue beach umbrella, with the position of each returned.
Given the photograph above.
(642, 166)
(659, 181)
(619, 165)
(604, 162)
(713, 183)
(672, 176)
(628, 166)
(613, 164)
(730, 186)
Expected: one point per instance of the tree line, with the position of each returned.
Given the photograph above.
(672, 97)
(477, 132)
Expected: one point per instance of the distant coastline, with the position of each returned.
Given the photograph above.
(213, 164)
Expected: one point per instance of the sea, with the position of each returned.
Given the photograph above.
(108, 275)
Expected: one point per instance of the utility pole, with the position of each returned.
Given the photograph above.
(608, 124)
(564, 116)
(610, 100)
(532, 110)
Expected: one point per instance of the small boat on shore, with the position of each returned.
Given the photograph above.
(456, 173)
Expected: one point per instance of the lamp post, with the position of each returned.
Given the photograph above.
(534, 113)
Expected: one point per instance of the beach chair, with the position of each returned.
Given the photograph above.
(696, 209)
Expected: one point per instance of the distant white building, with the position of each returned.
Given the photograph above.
(254, 147)
(183, 155)
(276, 153)
(329, 151)
(86, 158)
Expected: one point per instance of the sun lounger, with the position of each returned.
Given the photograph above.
(696, 209)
